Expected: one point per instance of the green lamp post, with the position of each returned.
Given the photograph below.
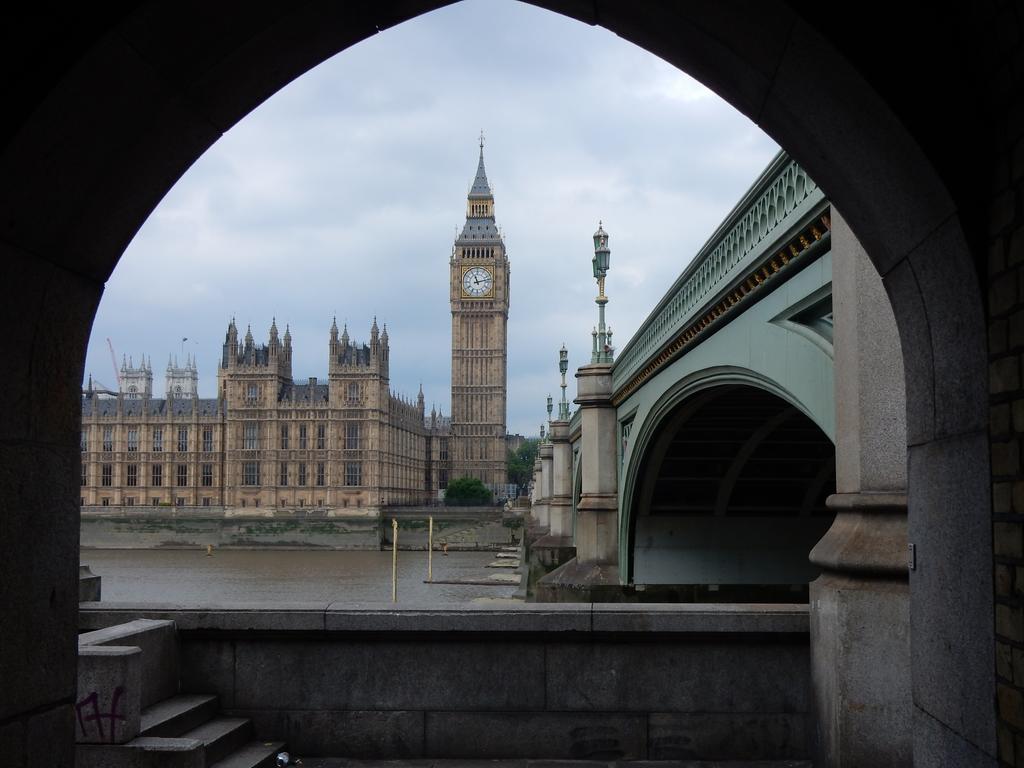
(550, 407)
(602, 352)
(563, 366)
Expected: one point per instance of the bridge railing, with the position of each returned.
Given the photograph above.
(774, 206)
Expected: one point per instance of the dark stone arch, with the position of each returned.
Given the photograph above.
(106, 108)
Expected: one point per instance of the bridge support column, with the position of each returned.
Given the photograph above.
(560, 509)
(594, 573)
(538, 503)
(557, 547)
(860, 628)
(544, 454)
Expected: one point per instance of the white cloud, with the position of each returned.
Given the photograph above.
(341, 194)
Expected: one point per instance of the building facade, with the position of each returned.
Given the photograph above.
(346, 444)
(479, 272)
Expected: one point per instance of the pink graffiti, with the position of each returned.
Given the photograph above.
(96, 716)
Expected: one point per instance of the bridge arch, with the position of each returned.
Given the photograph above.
(127, 101)
(641, 449)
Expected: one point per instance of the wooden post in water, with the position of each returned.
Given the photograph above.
(394, 561)
(430, 550)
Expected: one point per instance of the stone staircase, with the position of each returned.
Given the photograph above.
(130, 713)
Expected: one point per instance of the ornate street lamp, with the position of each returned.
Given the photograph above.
(550, 407)
(602, 352)
(563, 366)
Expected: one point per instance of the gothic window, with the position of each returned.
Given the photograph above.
(353, 392)
(352, 435)
(158, 439)
(182, 475)
(250, 473)
(250, 435)
(302, 436)
(321, 436)
(284, 474)
(302, 474)
(105, 501)
(133, 440)
(353, 473)
(206, 501)
(284, 437)
(129, 501)
(207, 475)
(133, 475)
(442, 451)
(208, 439)
(157, 475)
(442, 479)
(154, 501)
(182, 439)
(85, 473)
(84, 439)
(107, 475)
(108, 439)
(320, 473)
(252, 393)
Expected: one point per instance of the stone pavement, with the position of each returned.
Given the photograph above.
(335, 762)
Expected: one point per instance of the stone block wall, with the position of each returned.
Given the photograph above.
(566, 681)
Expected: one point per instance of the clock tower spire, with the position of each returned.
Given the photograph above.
(479, 301)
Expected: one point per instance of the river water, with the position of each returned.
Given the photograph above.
(190, 577)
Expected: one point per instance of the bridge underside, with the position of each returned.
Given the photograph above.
(732, 498)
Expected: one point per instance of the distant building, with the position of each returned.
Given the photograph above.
(479, 274)
(343, 443)
(346, 443)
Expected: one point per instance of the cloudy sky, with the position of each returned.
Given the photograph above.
(341, 195)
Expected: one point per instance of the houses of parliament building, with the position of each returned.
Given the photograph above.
(346, 443)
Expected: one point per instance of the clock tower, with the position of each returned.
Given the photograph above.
(479, 298)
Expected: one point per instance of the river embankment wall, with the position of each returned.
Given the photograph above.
(139, 527)
(584, 681)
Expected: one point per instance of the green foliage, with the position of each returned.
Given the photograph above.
(520, 462)
(466, 492)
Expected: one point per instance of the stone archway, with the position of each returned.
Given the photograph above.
(122, 103)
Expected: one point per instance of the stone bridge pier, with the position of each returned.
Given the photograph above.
(594, 572)
(860, 622)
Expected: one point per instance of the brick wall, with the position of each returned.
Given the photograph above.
(1004, 60)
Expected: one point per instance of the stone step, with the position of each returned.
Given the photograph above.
(255, 754)
(178, 714)
(142, 752)
(158, 640)
(222, 736)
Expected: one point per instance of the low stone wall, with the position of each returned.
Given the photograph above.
(550, 681)
(465, 528)
(198, 527)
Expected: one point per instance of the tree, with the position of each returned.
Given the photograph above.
(465, 492)
(520, 462)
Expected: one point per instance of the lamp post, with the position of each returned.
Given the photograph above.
(603, 352)
(563, 366)
(550, 407)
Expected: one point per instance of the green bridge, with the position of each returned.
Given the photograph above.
(724, 403)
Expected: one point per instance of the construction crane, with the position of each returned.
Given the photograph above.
(113, 361)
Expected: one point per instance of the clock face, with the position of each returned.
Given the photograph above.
(477, 282)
